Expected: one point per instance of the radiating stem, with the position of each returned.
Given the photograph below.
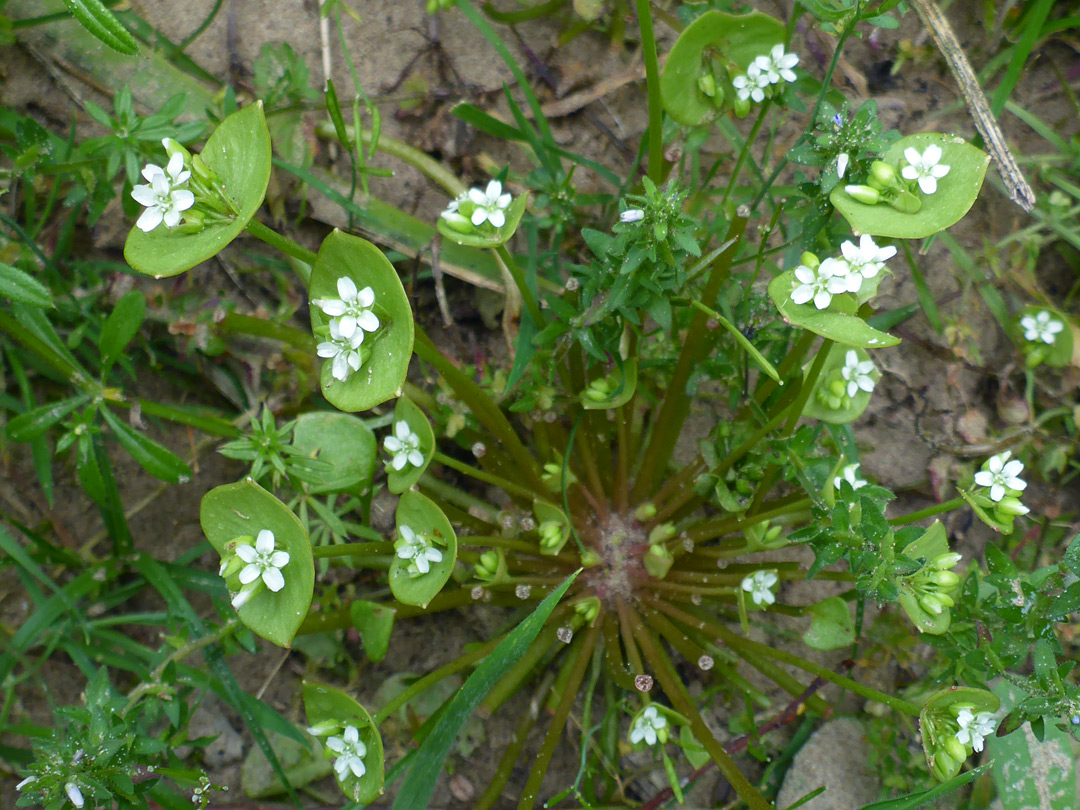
(509, 487)
(351, 549)
(929, 511)
(747, 144)
(652, 82)
(286, 246)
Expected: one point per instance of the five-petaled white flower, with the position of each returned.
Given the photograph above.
(927, 168)
(1042, 326)
(74, 794)
(404, 446)
(777, 65)
(632, 215)
(490, 204)
(841, 164)
(350, 753)
(830, 278)
(750, 86)
(345, 351)
(1000, 475)
(417, 549)
(857, 374)
(759, 585)
(974, 728)
(866, 259)
(352, 309)
(850, 473)
(646, 725)
(163, 198)
(263, 560)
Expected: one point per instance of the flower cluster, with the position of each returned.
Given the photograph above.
(765, 72)
(477, 207)
(850, 473)
(819, 281)
(351, 316)
(403, 447)
(257, 564)
(417, 549)
(974, 728)
(649, 727)
(1041, 327)
(920, 170)
(348, 748)
(164, 196)
(935, 584)
(760, 586)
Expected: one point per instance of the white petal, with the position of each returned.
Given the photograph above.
(392, 444)
(144, 195)
(800, 295)
(479, 216)
(822, 299)
(912, 156)
(151, 172)
(503, 201)
(928, 184)
(909, 173)
(477, 196)
(149, 220)
(264, 543)
(335, 744)
(340, 369)
(932, 155)
(326, 349)
(399, 462)
(416, 458)
(368, 321)
(357, 766)
(1013, 468)
(997, 492)
(346, 288)
(497, 218)
(939, 171)
(74, 794)
(246, 553)
(273, 579)
(182, 199)
(171, 217)
(249, 574)
(347, 326)
(493, 191)
(805, 274)
(175, 166)
(279, 559)
(366, 297)
(984, 478)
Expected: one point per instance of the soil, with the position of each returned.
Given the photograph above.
(939, 399)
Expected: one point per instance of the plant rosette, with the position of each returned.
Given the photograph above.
(951, 723)
(424, 552)
(953, 192)
(235, 167)
(1044, 335)
(696, 85)
(409, 447)
(350, 737)
(483, 217)
(373, 362)
(844, 386)
(235, 515)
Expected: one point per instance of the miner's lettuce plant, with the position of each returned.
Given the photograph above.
(563, 481)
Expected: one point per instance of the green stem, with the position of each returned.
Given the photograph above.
(351, 549)
(266, 328)
(929, 511)
(519, 280)
(286, 246)
(760, 359)
(509, 487)
(717, 528)
(652, 82)
(749, 142)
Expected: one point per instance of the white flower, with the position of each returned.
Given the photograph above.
(829, 279)
(490, 204)
(417, 549)
(632, 215)
(1000, 475)
(841, 164)
(74, 794)
(759, 585)
(857, 374)
(163, 197)
(27, 781)
(750, 86)
(345, 351)
(777, 65)
(350, 753)
(850, 473)
(974, 728)
(926, 168)
(867, 259)
(646, 725)
(1041, 327)
(404, 446)
(352, 310)
(264, 561)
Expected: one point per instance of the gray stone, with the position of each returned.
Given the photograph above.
(835, 756)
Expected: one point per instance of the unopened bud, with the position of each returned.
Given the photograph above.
(1011, 506)
(864, 194)
(645, 512)
(944, 562)
(946, 579)
(810, 260)
(707, 84)
(665, 531)
(883, 173)
(955, 749)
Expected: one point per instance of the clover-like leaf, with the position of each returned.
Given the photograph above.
(388, 350)
(837, 323)
(956, 191)
(244, 509)
(831, 388)
(345, 442)
(713, 45)
(238, 151)
(331, 708)
(425, 519)
(397, 481)
(486, 236)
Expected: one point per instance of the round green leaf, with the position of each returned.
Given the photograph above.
(729, 40)
(397, 481)
(239, 153)
(956, 191)
(831, 625)
(1056, 354)
(326, 705)
(343, 441)
(420, 514)
(549, 513)
(374, 622)
(486, 236)
(243, 510)
(381, 376)
(817, 406)
(837, 323)
(622, 382)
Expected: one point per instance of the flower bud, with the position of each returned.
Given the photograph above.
(810, 260)
(905, 202)
(946, 579)
(173, 146)
(707, 84)
(742, 107)
(946, 561)
(658, 561)
(864, 194)
(1011, 506)
(588, 609)
(665, 531)
(931, 603)
(956, 749)
(324, 729)
(943, 766)
(944, 599)
(645, 512)
(458, 222)
(590, 558)
(882, 173)
(551, 533)
(194, 222)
